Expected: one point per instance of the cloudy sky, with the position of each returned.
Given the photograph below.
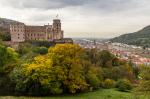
(82, 18)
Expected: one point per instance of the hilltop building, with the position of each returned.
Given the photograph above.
(21, 32)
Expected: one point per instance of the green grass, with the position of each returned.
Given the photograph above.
(99, 94)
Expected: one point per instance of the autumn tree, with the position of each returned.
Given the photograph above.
(56, 72)
(68, 57)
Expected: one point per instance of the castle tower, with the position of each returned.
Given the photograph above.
(56, 25)
(57, 32)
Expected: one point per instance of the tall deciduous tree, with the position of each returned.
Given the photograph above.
(144, 86)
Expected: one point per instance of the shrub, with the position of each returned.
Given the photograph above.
(41, 50)
(93, 80)
(93, 75)
(108, 83)
(123, 85)
(5, 36)
(144, 85)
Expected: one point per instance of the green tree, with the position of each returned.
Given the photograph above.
(94, 76)
(105, 58)
(7, 56)
(41, 50)
(144, 86)
(8, 61)
(124, 85)
(4, 36)
(109, 83)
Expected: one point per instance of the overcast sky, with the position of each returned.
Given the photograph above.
(82, 18)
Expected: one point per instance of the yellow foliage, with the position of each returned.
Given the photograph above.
(62, 65)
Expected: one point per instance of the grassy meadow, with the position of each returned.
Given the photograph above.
(99, 94)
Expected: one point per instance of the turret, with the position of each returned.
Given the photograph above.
(57, 32)
(56, 25)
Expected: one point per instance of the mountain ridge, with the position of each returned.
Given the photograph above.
(7, 21)
(139, 38)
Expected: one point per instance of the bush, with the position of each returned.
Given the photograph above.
(41, 50)
(93, 80)
(108, 83)
(5, 36)
(123, 85)
(144, 85)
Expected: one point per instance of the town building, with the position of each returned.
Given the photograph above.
(21, 32)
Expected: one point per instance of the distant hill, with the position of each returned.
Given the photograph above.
(4, 32)
(4, 20)
(140, 38)
(4, 23)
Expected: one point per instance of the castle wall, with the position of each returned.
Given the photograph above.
(21, 32)
(35, 33)
(17, 31)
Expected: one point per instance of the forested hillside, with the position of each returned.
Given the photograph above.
(4, 34)
(6, 20)
(140, 38)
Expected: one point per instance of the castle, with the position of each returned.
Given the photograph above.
(20, 32)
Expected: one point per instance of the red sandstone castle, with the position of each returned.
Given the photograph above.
(21, 32)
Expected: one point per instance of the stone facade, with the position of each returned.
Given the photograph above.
(17, 31)
(21, 32)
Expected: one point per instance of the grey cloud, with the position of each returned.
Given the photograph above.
(43, 4)
(103, 5)
(51, 4)
(114, 5)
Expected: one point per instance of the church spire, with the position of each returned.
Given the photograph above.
(57, 16)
